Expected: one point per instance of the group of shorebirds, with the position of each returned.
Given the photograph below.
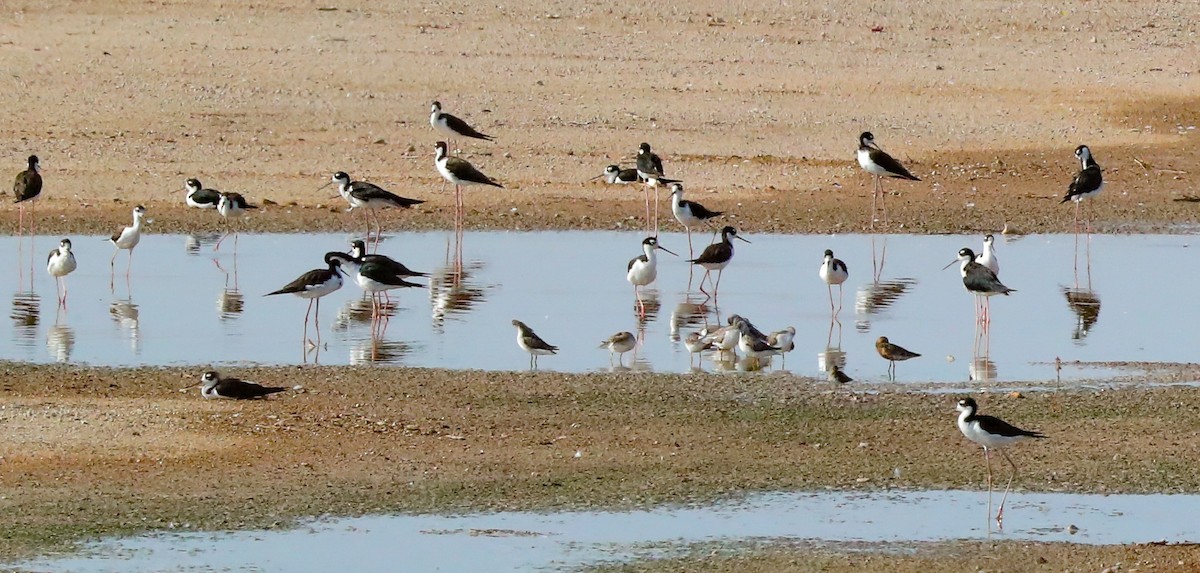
(378, 274)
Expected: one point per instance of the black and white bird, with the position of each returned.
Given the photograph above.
(26, 189)
(315, 284)
(716, 257)
(619, 344)
(459, 172)
(358, 250)
(231, 206)
(988, 257)
(126, 239)
(833, 272)
(59, 264)
(1087, 183)
(877, 162)
(993, 434)
(451, 126)
(374, 277)
(530, 342)
(689, 213)
(213, 385)
(643, 269)
(614, 175)
(199, 197)
(979, 280)
(650, 170)
(370, 198)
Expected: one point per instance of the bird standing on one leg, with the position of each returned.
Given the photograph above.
(231, 205)
(993, 434)
(877, 162)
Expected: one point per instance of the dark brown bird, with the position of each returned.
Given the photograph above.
(892, 354)
(213, 385)
(26, 188)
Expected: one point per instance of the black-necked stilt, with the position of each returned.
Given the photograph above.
(993, 434)
(213, 385)
(1087, 183)
(368, 196)
(127, 238)
(716, 257)
(59, 264)
(614, 175)
(833, 272)
(643, 269)
(313, 285)
(836, 375)
(26, 189)
(452, 126)
(689, 213)
(199, 197)
(459, 172)
(231, 205)
(619, 344)
(979, 280)
(784, 340)
(988, 257)
(374, 277)
(530, 342)
(650, 170)
(358, 251)
(875, 161)
(893, 354)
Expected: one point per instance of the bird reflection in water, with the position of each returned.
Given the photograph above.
(691, 311)
(454, 289)
(360, 310)
(231, 302)
(192, 244)
(833, 354)
(378, 351)
(874, 298)
(982, 369)
(647, 309)
(60, 340)
(26, 315)
(125, 314)
(1084, 303)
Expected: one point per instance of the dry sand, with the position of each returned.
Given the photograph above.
(756, 105)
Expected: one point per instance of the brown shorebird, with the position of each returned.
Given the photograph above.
(27, 188)
(530, 342)
(892, 354)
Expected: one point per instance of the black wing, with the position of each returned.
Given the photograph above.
(642, 258)
(27, 185)
(305, 282)
(1086, 181)
(714, 253)
(206, 196)
(889, 164)
(467, 172)
(532, 340)
(700, 211)
(993, 425)
(242, 390)
(460, 127)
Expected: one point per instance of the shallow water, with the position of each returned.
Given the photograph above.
(518, 541)
(186, 305)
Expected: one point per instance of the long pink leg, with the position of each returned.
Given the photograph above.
(1003, 498)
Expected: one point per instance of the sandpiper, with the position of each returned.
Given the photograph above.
(530, 342)
(619, 343)
(893, 354)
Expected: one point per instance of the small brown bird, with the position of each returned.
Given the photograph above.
(836, 375)
(892, 354)
(530, 342)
